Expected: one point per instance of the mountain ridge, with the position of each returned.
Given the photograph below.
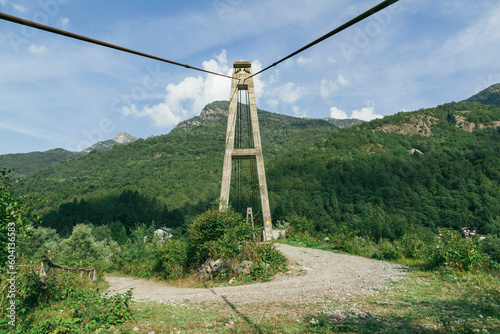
(24, 164)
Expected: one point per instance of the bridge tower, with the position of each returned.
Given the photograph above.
(243, 114)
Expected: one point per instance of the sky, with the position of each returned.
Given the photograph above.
(56, 92)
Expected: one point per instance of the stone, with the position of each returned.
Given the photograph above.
(244, 268)
(212, 268)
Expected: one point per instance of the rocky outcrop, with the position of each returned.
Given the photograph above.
(416, 125)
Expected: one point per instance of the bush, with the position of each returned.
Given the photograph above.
(81, 248)
(267, 261)
(300, 226)
(491, 246)
(413, 246)
(387, 251)
(172, 259)
(218, 234)
(39, 241)
(68, 304)
(454, 252)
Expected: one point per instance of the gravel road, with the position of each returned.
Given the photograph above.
(314, 275)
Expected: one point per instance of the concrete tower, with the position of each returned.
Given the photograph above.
(242, 81)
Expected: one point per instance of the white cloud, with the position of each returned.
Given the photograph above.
(289, 93)
(273, 103)
(365, 114)
(19, 8)
(64, 23)
(187, 98)
(38, 49)
(329, 87)
(302, 61)
(343, 81)
(3, 2)
(337, 113)
(298, 112)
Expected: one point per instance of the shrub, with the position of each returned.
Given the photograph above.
(218, 235)
(413, 246)
(267, 261)
(172, 259)
(68, 304)
(387, 251)
(300, 226)
(452, 251)
(39, 241)
(491, 246)
(343, 240)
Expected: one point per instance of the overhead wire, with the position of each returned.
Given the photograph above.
(335, 31)
(346, 25)
(50, 29)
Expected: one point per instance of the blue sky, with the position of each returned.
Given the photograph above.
(58, 92)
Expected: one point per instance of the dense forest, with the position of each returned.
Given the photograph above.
(429, 168)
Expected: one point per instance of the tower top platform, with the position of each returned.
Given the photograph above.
(242, 64)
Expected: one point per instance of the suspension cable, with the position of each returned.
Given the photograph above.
(346, 25)
(36, 25)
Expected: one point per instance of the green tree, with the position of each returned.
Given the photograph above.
(13, 220)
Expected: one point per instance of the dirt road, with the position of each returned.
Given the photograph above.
(314, 276)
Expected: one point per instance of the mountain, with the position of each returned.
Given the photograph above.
(407, 173)
(490, 95)
(180, 171)
(119, 139)
(25, 164)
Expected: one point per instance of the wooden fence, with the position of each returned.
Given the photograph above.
(47, 263)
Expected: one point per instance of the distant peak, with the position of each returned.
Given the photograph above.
(490, 95)
(124, 138)
(215, 108)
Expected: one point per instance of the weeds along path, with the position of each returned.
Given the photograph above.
(315, 275)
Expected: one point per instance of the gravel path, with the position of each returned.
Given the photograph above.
(314, 275)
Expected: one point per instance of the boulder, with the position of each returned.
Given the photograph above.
(212, 268)
(244, 267)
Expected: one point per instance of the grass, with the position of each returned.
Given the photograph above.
(424, 302)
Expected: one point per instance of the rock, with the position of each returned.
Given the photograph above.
(244, 267)
(212, 268)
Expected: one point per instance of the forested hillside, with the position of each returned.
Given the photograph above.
(432, 168)
(26, 163)
(23, 164)
(170, 176)
(411, 171)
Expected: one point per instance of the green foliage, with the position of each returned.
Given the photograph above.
(300, 226)
(218, 234)
(39, 241)
(454, 252)
(487, 96)
(137, 256)
(82, 249)
(383, 185)
(67, 304)
(24, 164)
(213, 235)
(118, 232)
(414, 246)
(491, 246)
(267, 261)
(172, 259)
(387, 251)
(13, 220)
